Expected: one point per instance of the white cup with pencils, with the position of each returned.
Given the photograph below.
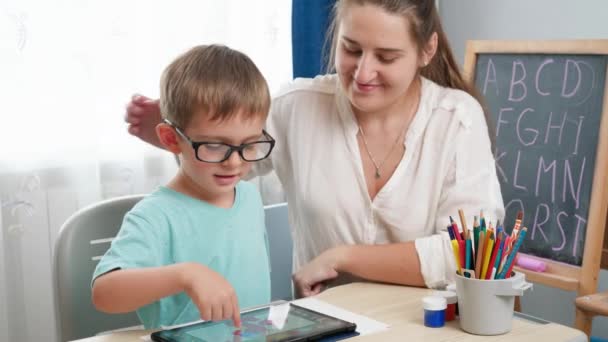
(485, 282)
(486, 306)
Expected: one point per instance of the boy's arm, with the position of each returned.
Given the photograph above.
(130, 273)
(127, 290)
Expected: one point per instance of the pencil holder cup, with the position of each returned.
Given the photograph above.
(486, 306)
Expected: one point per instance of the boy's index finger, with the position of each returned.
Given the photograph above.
(236, 313)
(237, 319)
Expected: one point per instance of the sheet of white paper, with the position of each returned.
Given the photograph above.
(365, 325)
(277, 314)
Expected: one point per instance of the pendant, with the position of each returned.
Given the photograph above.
(377, 174)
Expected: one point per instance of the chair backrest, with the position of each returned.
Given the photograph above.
(281, 255)
(82, 240)
(87, 234)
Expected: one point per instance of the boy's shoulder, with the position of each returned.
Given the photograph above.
(164, 206)
(167, 202)
(157, 202)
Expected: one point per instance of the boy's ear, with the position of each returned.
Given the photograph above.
(168, 137)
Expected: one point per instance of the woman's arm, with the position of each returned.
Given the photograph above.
(143, 114)
(396, 263)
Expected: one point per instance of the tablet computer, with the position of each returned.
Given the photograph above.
(279, 323)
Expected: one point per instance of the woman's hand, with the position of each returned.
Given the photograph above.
(143, 114)
(212, 294)
(310, 279)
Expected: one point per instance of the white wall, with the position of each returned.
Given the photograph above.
(524, 19)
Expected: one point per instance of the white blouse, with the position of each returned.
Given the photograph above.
(447, 165)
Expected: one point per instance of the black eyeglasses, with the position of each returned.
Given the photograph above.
(217, 152)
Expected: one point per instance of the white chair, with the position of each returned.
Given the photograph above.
(86, 236)
(82, 240)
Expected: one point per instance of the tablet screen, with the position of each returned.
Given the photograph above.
(286, 322)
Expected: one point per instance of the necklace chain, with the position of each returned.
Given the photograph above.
(377, 166)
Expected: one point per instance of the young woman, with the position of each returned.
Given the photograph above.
(376, 157)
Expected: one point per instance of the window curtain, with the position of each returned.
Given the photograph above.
(68, 68)
(310, 19)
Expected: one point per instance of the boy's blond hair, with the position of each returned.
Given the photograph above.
(220, 81)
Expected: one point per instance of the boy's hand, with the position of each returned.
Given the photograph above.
(212, 294)
(143, 114)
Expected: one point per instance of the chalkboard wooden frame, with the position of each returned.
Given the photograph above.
(581, 279)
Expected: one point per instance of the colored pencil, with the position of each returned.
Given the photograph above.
(468, 261)
(479, 254)
(475, 234)
(457, 256)
(499, 255)
(508, 265)
(463, 253)
(456, 231)
(451, 233)
(463, 222)
(491, 267)
(505, 252)
(488, 248)
(472, 249)
(515, 231)
(510, 270)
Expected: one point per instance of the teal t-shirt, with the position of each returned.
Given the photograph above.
(168, 227)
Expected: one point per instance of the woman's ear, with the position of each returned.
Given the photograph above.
(430, 49)
(168, 137)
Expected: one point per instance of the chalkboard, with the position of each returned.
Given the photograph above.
(546, 111)
(549, 105)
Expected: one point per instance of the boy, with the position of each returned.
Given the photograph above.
(191, 248)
